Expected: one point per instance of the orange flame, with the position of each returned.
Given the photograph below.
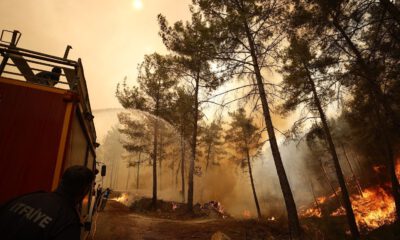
(321, 200)
(122, 199)
(311, 212)
(374, 209)
(246, 214)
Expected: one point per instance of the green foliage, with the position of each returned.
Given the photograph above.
(307, 81)
(362, 35)
(243, 136)
(155, 92)
(235, 21)
(182, 113)
(130, 97)
(137, 133)
(190, 42)
(212, 143)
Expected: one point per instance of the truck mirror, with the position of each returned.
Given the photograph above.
(103, 170)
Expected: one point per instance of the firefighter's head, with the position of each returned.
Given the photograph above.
(76, 182)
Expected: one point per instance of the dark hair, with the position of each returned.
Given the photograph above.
(56, 70)
(76, 180)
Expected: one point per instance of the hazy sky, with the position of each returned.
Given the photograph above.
(111, 36)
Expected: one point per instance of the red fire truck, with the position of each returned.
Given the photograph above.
(44, 128)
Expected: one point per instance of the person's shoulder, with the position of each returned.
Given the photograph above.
(42, 196)
(50, 201)
(31, 195)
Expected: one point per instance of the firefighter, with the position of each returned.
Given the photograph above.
(48, 78)
(106, 195)
(51, 215)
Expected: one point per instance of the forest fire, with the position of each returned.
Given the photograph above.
(312, 212)
(373, 209)
(122, 199)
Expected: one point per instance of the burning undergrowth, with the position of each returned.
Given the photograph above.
(373, 208)
(370, 195)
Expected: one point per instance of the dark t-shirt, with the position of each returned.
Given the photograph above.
(40, 216)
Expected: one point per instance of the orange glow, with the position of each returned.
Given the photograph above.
(378, 168)
(321, 199)
(85, 200)
(246, 214)
(315, 211)
(374, 209)
(122, 199)
(311, 212)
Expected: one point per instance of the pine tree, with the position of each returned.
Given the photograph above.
(192, 54)
(245, 137)
(154, 95)
(246, 42)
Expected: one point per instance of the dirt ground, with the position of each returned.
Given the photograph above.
(117, 222)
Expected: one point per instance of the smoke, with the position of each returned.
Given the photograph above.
(231, 185)
(225, 182)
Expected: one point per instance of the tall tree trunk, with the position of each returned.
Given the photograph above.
(371, 78)
(137, 172)
(330, 184)
(358, 185)
(183, 168)
(177, 174)
(294, 224)
(127, 180)
(112, 173)
(377, 95)
(314, 196)
(116, 175)
(160, 158)
(345, 195)
(391, 162)
(194, 142)
(252, 184)
(155, 140)
(208, 156)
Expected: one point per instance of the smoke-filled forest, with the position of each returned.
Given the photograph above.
(285, 113)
